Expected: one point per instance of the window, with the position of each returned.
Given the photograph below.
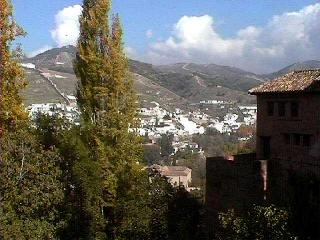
(306, 140)
(270, 108)
(286, 138)
(294, 109)
(296, 139)
(281, 109)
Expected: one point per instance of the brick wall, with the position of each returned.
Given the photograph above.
(308, 122)
(293, 169)
(289, 176)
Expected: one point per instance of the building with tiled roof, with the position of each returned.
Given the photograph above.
(297, 81)
(285, 171)
(177, 175)
(288, 137)
(288, 115)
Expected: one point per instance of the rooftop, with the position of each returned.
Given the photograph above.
(172, 170)
(297, 81)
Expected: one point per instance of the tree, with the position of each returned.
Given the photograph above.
(260, 223)
(54, 132)
(11, 74)
(151, 154)
(30, 179)
(166, 145)
(108, 107)
(160, 197)
(30, 189)
(184, 215)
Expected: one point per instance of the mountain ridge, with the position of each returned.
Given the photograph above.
(173, 85)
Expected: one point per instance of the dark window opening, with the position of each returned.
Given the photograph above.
(270, 108)
(306, 140)
(281, 109)
(286, 138)
(266, 147)
(294, 109)
(296, 139)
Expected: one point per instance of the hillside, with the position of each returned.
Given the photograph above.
(175, 85)
(172, 86)
(312, 64)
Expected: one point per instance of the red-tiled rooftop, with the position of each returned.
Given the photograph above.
(297, 81)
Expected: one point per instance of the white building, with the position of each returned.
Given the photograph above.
(62, 110)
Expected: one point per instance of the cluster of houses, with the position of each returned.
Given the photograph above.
(70, 112)
(156, 121)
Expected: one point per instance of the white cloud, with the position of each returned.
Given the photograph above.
(38, 51)
(131, 52)
(66, 30)
(286, 38)
(149, 33)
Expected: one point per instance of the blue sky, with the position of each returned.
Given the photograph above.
(165, 31)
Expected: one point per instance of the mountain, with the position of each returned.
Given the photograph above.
(56, 59)
(175, 85)
(312, 64)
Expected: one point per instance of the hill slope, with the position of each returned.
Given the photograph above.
(174, 85)
(312, 64)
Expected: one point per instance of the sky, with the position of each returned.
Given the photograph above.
(260, 36)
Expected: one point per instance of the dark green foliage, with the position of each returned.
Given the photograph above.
(108, 109)
(161, 194)
(211, 142)
(151, 154)
(78, 172)
(31, 189)
(184, 216)
(260, 223)
(166, 145)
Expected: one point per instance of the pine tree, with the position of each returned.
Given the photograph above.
(108, 105)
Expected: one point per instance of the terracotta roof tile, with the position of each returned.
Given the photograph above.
(297, 81)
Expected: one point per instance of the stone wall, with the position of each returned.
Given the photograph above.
(292, 185)
(232, 183)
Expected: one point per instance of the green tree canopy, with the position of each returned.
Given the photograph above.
(260, 223)
(108, 107)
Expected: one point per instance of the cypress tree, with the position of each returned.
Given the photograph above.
(108, 107)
